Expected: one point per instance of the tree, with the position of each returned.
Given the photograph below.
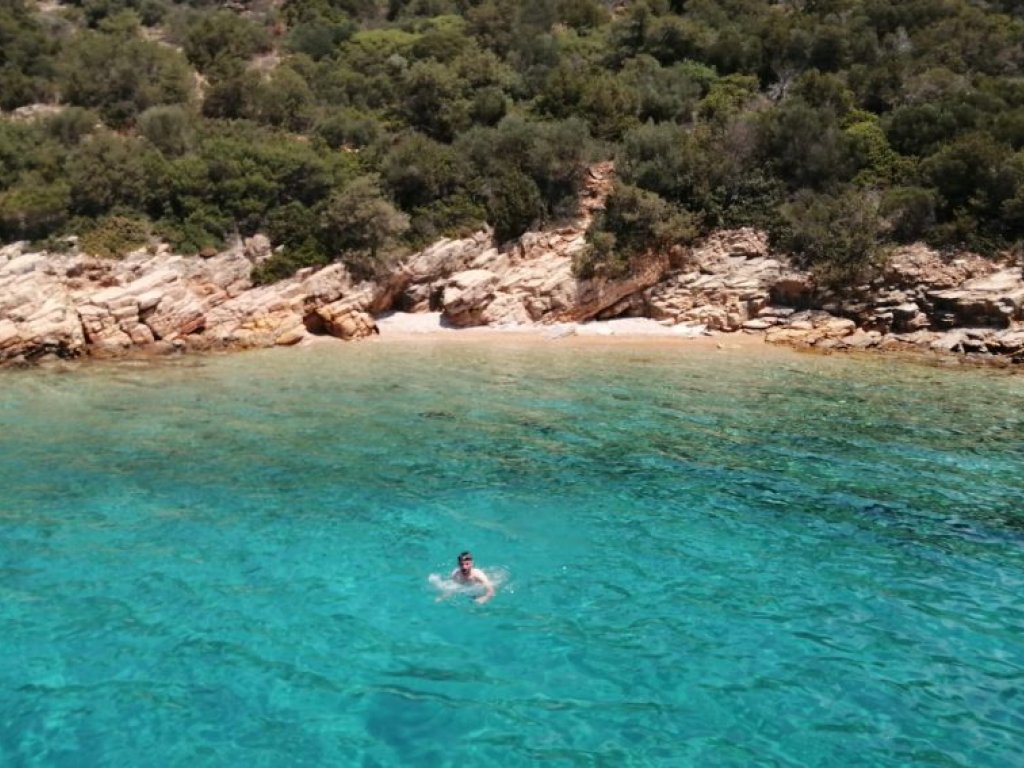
(836, 235)
(418, 170)
(212, 38)
(514, 203)
(806, 146)
(105, 172)
(362, 227)
(26, 57)
(434, 100)
(33, 210)
(121, 75)
(169, 129)
(284, 100)
(635, 225)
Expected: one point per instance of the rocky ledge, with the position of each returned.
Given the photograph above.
(73, 305)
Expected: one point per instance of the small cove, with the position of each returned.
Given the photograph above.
(715, 558)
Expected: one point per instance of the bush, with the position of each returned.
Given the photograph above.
(456, 215)
(71, 125)
(169, 129)
(348, 127)
(362, 227)
(121, 75)
(835, 235)
(418, 170)
(115, 236)
(908, 213)
(514, 204)
(213, 37)
(107, 171)
(33, 210)
(635, 225)
(286, 262)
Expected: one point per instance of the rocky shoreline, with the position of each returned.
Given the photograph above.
(156, 302)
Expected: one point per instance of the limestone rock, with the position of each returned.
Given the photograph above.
(346, 322)
(466, 295)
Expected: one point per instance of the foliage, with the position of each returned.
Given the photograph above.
(107, 172)
(362, 227)
(119, 74)
(32, 210)
(835, 234)
(213, 40)
(114, 236)
(429, 117)
(26, 64)
(635, 224)
(169, 129)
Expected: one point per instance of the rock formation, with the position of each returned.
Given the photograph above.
(70, 305)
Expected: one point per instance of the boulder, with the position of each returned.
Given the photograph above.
(347, 323)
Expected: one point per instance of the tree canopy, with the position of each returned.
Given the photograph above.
(351, 129)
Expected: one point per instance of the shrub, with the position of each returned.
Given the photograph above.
(121, 75)
(908, 213)
(169, 129)
(514, 204)
(635, 224)
(115, 236)
(212, 37)
(348, 127)
(835, 235)
(362, 227)
(287, 261)
(33, 210)
(71, 125)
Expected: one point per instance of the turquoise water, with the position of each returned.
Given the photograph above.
(713, 559)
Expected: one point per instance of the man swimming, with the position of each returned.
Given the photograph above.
(467, 575)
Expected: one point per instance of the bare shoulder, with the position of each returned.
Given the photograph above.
(479, 575)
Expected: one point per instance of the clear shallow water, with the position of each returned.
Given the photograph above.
(714, 559)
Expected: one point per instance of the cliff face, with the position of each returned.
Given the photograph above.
(73, 305)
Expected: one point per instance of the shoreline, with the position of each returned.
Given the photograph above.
(404, 328)
(397, 328)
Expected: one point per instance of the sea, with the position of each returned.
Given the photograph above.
(705, 557)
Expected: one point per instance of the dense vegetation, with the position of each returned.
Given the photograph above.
(354, 129)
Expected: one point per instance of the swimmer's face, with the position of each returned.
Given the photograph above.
(466, 564)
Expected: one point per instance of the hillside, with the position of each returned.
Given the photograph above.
(359, 131)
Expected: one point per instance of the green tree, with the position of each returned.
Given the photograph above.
(835, 234)
(211, 38)
(514, 203)
(107, 172)
(634, 226)
(121, 75)
(33, 210)
(285, 100)
(169, 129)
(362, 227)
(418, 170)
(26, 57)
(71, 125)
(434, 100)
(908, 213)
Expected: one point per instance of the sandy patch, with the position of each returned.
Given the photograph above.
(429, 327)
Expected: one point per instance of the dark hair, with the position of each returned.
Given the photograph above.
(465, 555)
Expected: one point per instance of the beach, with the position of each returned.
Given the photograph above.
(430, 327)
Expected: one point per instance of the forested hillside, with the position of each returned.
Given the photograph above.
(358, 129)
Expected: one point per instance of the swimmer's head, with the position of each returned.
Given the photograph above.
(466, 561)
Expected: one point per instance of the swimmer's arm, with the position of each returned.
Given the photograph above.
(482, 580)
(446, 594)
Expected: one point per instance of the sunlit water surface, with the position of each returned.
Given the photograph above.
(714, 558)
